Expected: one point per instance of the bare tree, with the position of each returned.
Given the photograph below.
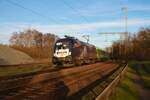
(138, 46)
(34, 43)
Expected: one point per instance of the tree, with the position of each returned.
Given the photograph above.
(138, 46)
(34, 43)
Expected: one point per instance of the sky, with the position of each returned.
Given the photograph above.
(74, 18)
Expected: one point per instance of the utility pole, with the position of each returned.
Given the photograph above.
(87, 37)
(125, 9)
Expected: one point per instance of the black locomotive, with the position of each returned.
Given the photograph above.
(72, 51)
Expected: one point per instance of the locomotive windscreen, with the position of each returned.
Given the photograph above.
(62, 49)
(61, 45)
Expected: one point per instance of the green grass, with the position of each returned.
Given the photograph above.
(145, 74)
(143, 68)
(132, 63)
(9, 71)
(127, 90)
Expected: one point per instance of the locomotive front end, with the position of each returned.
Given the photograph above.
(62, 52)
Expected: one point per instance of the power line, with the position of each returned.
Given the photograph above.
(30, 10)
(67, 4)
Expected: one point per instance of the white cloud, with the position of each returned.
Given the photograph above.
(77, 27)
(86, 27)
(4, 38)
(8, 28)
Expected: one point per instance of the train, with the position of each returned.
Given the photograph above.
(70, 50)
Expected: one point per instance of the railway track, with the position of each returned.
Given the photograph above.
(49, 68)
(56, 84)
(92, 91)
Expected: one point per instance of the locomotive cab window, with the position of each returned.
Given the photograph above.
(61, 45)
(62, 49)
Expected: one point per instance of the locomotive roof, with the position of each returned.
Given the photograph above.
(74, 40)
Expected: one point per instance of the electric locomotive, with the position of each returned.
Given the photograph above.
(70, 50)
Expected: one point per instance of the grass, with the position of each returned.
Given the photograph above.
(127, 90)
(9, 71)
(132, 63)
(144, 71)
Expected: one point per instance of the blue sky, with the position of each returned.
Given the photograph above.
(73, 17)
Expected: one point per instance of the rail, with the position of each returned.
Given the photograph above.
(70, 79)
(111, 87)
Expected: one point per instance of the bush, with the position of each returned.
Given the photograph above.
(104, 58)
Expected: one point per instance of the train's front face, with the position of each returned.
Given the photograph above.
(62, 52)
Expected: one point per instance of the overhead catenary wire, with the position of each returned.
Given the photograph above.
(71, 7)
(32, 11)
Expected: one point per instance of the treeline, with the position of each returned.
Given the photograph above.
(34, 43)
(137, 47)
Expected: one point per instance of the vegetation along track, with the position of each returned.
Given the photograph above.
(55, 84)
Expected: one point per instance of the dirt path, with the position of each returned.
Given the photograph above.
(143, 91)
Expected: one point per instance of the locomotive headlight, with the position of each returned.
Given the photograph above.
(69, 53)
